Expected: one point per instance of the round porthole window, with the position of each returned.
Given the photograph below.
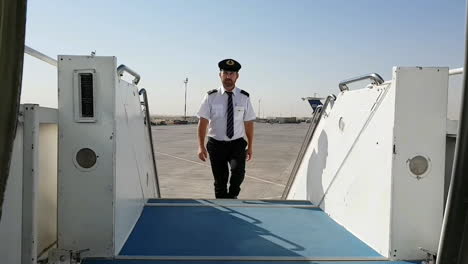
(86, 158)
(341, 124)
(418, 166)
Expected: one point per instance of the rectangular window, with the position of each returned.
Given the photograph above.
(87, 95)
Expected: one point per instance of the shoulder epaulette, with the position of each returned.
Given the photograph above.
(244, 92)
(212, 91)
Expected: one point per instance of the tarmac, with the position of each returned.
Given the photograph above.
(183, 175)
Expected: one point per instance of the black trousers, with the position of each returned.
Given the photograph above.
(222, 154)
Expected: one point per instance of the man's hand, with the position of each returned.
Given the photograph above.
(249, 132)
(249, 155)
(202, 125)
(202, 153)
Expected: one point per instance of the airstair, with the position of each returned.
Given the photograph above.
(368, 186)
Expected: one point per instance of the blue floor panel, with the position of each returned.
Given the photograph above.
(228, 202)
(104, 261)
(241, 231)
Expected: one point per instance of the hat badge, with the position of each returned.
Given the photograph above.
(230, 62)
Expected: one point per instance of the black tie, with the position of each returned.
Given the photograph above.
(230, 117)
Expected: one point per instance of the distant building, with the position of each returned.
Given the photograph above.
(261, 120)
(180, 122)
(285, 120)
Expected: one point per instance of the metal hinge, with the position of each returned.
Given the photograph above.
(64, 256)
(430, 256)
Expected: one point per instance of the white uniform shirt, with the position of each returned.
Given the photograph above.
(214, 108)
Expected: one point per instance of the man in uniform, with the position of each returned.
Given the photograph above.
(228, 114)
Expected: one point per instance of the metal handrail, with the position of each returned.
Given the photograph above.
(150, 134)
(456, 71)
(318, 113)
(38, 55)
(373, 76)
(123, 68)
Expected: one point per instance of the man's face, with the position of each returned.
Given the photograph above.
(228, 78)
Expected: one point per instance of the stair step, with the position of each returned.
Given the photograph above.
(122, 261)
(226, 231)
(229, 202)
(241, 231)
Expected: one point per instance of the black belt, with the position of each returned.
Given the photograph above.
(224, 141)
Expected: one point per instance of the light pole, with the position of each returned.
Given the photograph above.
(259, 107)
(185, 104)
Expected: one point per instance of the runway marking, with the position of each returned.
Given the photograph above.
(199, 163)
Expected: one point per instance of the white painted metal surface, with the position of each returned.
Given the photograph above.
(30, 183)
(86, 196)
(420, 129)
(47, 115)
(359, 196)
(368, 189)
(98, 206)
(348, 140)
(47, 189)
(134, 170)
(452, 128)
(29, 219)
(10, 224)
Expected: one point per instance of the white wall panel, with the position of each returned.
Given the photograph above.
(99, 206)
(47, 197)
(10, 223)
(420, 129)
(134, 172)
(360, 196)
(86, 196)
(357, 165)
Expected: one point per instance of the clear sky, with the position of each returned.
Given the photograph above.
(288, 48)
